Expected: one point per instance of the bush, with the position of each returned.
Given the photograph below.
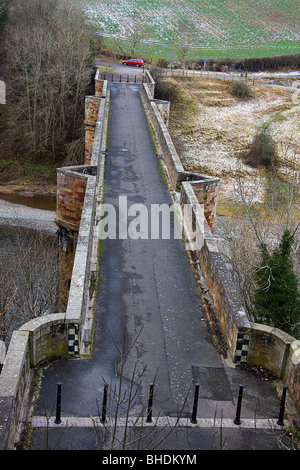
(241, 89)
(263, 151)
(166, 91)
(277, 299)
(163, 63)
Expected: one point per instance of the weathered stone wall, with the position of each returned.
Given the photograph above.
(205, 187)
(292, 372)
(206, 192)
(80, 274)
(231, 313)
(13, 381)
(164, 110)
(92, 104)
(150, 84)
(94, 116)
(48, 337)
(36, 341)
(171, 158)
(279, 352)
(100, 84)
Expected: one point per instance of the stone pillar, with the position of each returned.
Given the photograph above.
(92, 104)
(164, 109)
(99, 87)
(206, 192)
(71, 186)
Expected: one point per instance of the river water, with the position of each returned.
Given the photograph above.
(43, 201)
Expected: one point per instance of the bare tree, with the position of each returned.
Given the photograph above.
(49, 67)
(262, 225)
(124, 424)
(185, 38)
(135, 31)
(30, 277)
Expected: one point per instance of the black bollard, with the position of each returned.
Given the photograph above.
(196, 396)
(104, 404)
(239, 406)
(150, 404)
(120, 78)
(282, 405)
(112, 77)
(58, 404)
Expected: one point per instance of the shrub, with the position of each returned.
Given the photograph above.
(163, 63)
(277, 299)
(241, 89)
(166, 91)
(263, 151)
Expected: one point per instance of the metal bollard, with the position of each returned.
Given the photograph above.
(282, 405)
(120, 78)
(239, 406)
(195, 405)
(58, 404)
(150, 404)
(104, 404)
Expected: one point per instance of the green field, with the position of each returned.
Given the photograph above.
(219, 28)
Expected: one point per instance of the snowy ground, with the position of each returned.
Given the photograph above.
(216, 138)
(213, 24)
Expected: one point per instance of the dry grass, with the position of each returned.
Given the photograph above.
(215, 135)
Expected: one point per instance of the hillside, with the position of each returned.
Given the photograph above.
(213, 131)
(218, 28)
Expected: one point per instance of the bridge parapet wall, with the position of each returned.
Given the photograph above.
(36, 341)
(94, 116)
(100, 85)
(279, 352)
(231, 313)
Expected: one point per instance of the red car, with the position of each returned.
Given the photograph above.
(135, 62)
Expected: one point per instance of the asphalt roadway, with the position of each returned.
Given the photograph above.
(149, 328)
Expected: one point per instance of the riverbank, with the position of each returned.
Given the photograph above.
(20, 215)
(25, 188)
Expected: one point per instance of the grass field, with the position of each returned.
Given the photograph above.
(220, 28)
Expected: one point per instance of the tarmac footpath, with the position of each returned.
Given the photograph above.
(149, 328)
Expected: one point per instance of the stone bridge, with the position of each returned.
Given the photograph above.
(79, 201)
